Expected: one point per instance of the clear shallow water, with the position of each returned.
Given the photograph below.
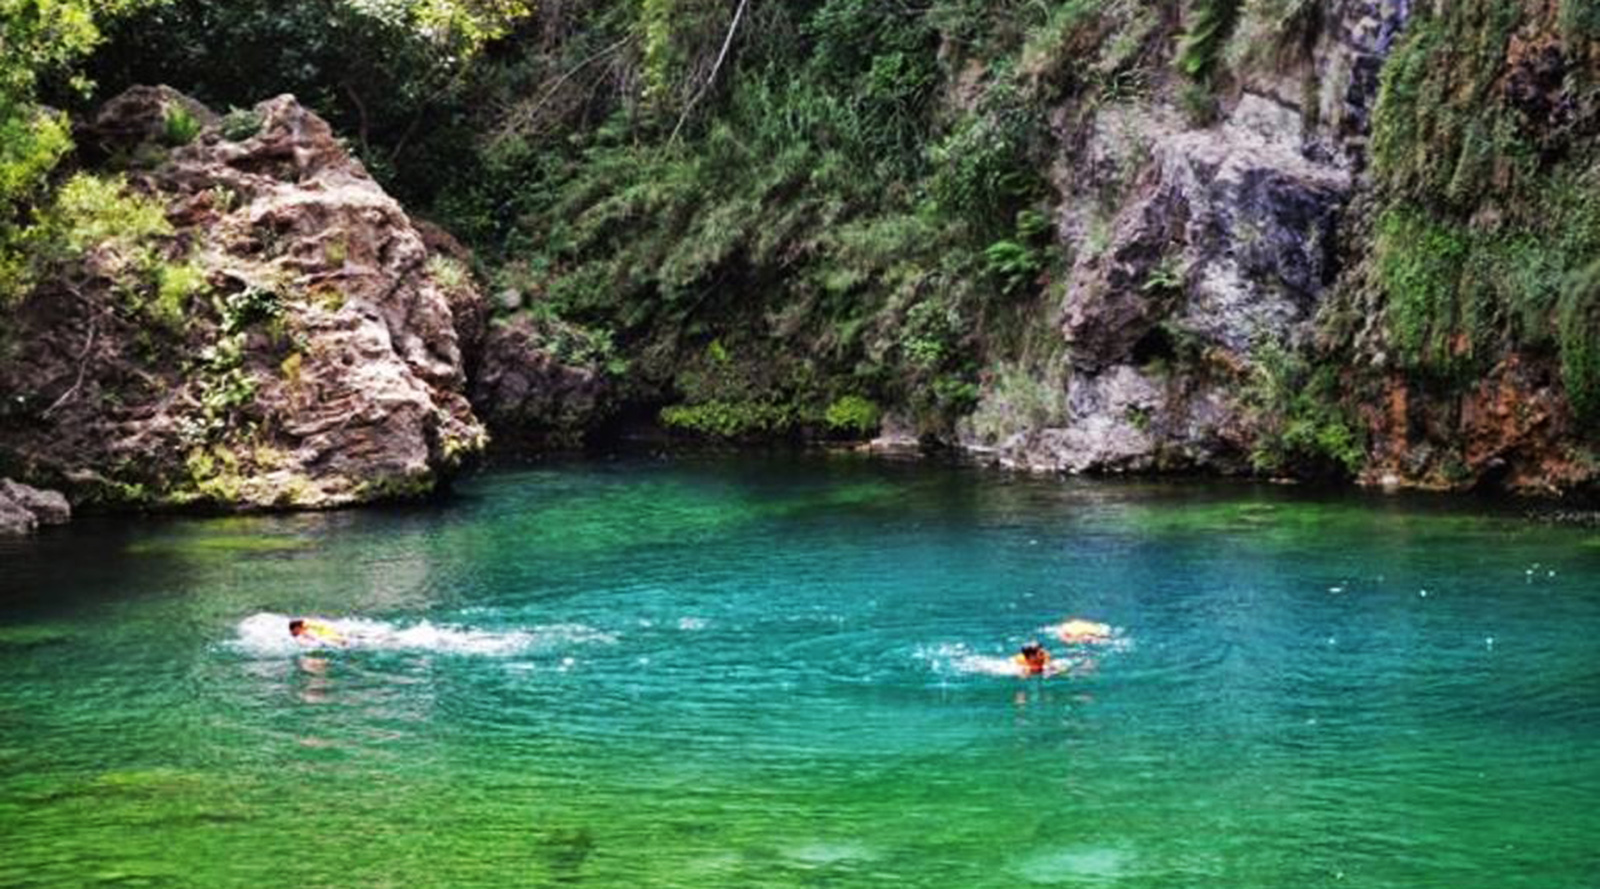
(771, 672)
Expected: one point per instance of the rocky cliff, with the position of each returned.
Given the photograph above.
(1240, 294)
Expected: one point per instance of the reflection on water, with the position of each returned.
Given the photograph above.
(781, 672)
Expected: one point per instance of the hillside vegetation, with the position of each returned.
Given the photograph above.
(998, 225)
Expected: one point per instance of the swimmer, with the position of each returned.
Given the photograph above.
(316, 632)
(1033, 659)
(1077, 630)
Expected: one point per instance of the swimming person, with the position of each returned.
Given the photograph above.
(1077, 630)
(1033, 659)
(316, 632)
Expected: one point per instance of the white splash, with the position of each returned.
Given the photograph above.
(266, 634)
(956, 657)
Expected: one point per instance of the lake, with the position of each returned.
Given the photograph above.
(787, 671)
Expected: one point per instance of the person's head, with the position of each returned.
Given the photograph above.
(1033, 651)
(296, 627)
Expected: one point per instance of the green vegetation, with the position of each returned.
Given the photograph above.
(732, 419)
(786, 218)
(1210, 23)
(1301, 420)
(41, 41)
(854, 416)
(1488, 203)
(656, 176)
(240, 124)
(182, 127)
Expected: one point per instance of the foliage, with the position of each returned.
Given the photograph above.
(90, 216)
(39, 41)
(1487, 202)
(1302, 423)
(247, 307)
(853, 415)
(391, 73)
(177, 286)
(1420, 262)
(731, 419)
(180, 126)
(241, 124)
(1579, 332)
(449, 273)
(1019, 396)
(1210, 24)
(225, 387)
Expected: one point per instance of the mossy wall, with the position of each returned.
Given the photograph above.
(1486, 176)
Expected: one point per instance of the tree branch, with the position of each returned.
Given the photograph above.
(83, 366)
(712, 77)
(527, 118)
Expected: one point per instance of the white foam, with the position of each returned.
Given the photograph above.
(956, 657)
(267, 635)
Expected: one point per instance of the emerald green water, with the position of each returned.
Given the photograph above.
(776, 672)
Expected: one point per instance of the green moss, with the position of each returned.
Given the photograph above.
(1578, 329)
(1420, 262)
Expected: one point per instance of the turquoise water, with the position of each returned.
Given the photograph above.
(780, 672)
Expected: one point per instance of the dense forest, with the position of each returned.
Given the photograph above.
(1319, 238)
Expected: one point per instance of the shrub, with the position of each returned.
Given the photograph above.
(241, 124)
(853, 415)
(731, 419)
(176, 287)
(1300, 422)
(180, 126)
(247, 307)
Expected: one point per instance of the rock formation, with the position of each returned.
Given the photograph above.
(530, 396)
(23, 509)
(315, 362)
(1219, 239)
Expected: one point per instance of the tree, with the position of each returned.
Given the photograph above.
(39, 39)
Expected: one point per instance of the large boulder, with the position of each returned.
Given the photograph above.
(316, 364)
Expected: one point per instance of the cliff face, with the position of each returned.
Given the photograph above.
(1237, 299)
(287, 341)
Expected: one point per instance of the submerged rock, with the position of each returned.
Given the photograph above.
(313, 363)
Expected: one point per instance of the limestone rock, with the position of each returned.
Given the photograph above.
(15, 518)
(319, 366)
(1192, 246)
